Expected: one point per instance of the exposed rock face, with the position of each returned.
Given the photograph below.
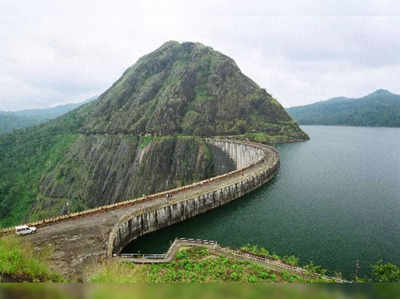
(100, 169)
(131, 140)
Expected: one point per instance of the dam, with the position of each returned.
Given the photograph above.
(80, 239)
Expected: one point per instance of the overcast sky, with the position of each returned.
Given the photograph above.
(54, 52)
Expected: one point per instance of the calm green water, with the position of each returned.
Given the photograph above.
(335, 200)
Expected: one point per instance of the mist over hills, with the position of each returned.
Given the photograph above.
(10, 121)
(141, 136)
(378, 109)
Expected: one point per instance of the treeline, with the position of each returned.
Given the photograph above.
(10, 121)
(379, 109)
(24, 156)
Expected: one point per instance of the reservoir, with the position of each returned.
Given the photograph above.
(336, 200)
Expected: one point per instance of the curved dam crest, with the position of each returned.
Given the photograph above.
(86, 237)
(174, 211)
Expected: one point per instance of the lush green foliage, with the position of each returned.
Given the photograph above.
(260, 251)
(25, 156)
(310, 267)
(290, 260)
(18, 262)
(380, 108)
(10, 121)
(189, 89)
(386, 272)
(195, 264)
(145, 141)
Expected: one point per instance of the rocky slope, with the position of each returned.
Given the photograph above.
(141, 136)
(100, 169)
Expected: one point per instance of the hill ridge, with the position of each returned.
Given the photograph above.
(379, 108)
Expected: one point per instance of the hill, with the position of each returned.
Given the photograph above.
(378, 109)
(141, 136)
(10, 121)
(188, 89)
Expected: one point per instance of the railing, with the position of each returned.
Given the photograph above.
(197, 241)
(142, 256)
(159, 195)
(150, 256)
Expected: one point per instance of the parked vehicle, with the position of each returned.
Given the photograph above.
(25, 230)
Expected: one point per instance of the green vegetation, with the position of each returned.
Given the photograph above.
(10, 121)
(24, 156)
(18, 263)
(379, 109)
(386, 272)
(92, 156)
(290, 260)
(194, 264)
(188, 89)
(195, 291)
(145, 141)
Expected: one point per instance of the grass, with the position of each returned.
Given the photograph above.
(18, 262)
(215, 290)
(194, 265)
(290, 260)
(145, 141)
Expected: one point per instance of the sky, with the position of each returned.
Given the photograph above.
(300, 51)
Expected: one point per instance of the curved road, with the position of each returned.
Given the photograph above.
(80, 241)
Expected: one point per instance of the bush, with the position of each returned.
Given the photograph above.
(252, 279)
(291, 260)
(18, 263)
(315, 269)
(234, 276)
(386, 272)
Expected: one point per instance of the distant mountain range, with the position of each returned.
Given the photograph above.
(378, 109)
(10, 121)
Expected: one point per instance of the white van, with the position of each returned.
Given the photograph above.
(25, 230)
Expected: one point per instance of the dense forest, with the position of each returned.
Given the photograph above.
(24, 156)
(378, 109)
(9, 121)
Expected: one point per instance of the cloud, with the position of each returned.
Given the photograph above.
(300, 51)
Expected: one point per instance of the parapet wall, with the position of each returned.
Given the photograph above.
(257, 164)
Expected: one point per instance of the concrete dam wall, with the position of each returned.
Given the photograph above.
(256, 165)
(80, 239)
(241, 153)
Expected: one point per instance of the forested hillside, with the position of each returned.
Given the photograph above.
(10, 121)
(141, 136)
(378, 109)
